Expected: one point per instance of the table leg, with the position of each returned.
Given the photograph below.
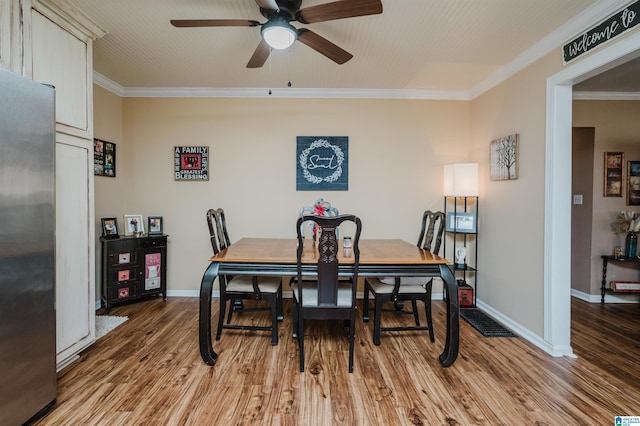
(604, 279)
(209, 356)
(452, 343)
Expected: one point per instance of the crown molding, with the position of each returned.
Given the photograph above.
(553, 41)
(588, 17)
(209, 92)
(606, 96)
(107, 84)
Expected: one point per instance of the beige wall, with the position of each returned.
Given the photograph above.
(617, 128)
(109, 192)
(511, 223)
(397, 150)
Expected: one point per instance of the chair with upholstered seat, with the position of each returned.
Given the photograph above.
(400, 289)
(324, 296)
(234, 289)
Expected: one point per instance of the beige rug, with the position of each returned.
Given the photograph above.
(106, 323)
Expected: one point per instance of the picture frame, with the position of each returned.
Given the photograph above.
(191, 163)
(154, 225)
(110, 227)
(461, 223)
(504, 158)
(633, 183)
(133, 225)
(322, 163)
(613, 174)
(104, 158)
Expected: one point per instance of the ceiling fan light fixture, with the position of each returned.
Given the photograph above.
(279, 34)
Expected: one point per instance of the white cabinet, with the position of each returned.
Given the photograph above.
(60, 58)
(58, 46)
(11, 35)
(75, 268)
(51, 42)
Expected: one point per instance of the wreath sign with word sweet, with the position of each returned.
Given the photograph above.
(322, 163)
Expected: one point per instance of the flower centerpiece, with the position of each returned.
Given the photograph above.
(629, 222)
(626, 221)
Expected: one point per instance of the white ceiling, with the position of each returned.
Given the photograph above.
(433, 45)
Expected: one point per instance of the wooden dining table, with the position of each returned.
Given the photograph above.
(378, 258)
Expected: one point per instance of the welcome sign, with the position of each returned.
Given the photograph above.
(612, 27)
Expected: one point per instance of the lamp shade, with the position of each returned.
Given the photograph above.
(461, 180)
(279, 34)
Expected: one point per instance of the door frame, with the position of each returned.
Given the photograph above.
(557, 223)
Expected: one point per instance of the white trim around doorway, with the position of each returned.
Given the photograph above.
(557, 229)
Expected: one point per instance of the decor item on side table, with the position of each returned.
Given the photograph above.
(109, 227)
(154, 225)
(133, 225)
(629, 222)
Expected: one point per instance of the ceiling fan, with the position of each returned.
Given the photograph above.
(278, 33)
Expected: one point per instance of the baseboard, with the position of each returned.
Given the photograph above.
(524, 332)
(609, 298)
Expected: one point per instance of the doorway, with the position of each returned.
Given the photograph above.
(557, 235)
(582, 155)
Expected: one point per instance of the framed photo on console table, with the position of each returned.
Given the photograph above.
(462, 223)
(109, 227)
(154, 225)
(133, 225)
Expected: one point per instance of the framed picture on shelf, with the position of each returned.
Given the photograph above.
(633, 183)
(613, 173)
(154, 225)
(133, 224)
(463, 223)
(109, 227)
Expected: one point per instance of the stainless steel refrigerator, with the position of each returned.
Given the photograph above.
(27, 232)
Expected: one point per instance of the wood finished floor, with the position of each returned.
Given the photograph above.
(149, 372)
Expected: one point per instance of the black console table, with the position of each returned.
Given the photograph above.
(133, 268)
(605, 260)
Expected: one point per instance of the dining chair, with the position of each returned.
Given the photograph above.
(400, 289)
(321, 295)
(234, 289)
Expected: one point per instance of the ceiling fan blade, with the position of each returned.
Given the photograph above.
(338, 10)
(323, 46)
(187, 23)
(268, 4)
(260, 55)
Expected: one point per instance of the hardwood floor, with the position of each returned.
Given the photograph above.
(148, 371)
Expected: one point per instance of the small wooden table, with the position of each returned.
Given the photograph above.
(378, 258)
(605, 260)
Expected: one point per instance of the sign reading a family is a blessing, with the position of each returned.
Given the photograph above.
(191, 162)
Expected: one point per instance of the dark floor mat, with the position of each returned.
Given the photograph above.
(484, 324)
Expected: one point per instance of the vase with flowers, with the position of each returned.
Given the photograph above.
(629, 222)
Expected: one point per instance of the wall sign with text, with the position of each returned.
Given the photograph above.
(191, 162)
(322, 163)
(608, 29)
